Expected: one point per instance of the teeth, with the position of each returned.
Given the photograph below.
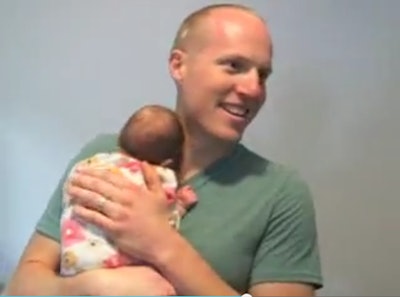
(235, 110)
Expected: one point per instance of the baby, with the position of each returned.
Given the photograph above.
(153, 134)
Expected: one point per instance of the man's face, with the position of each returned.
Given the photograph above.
(222, 83)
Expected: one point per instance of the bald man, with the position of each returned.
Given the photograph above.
(253, 230)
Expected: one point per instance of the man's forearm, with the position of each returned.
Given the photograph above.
(36, 279)
(188, 272)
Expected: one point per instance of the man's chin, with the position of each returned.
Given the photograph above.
(225, 136)
(230, 137)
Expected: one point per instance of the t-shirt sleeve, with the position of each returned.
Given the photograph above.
(49, 222)
(288, 251)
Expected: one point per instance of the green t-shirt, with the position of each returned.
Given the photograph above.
(254, 222)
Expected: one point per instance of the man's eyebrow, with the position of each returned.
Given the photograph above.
(266, 68)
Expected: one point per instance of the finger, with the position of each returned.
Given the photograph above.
(96, 185)
(112, 175)
(95, 202)
(187, 196)
(151, 178)
(95, 218)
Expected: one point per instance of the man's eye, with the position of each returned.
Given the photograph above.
(235, 66)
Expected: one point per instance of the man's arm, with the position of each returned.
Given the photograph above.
(286, 262)
(282, 289)
(36, 271)
(191, 275)
(188, 272)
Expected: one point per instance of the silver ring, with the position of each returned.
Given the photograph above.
(100, 204)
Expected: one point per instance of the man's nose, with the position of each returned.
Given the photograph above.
(251, 85)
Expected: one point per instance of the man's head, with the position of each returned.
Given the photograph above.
(154, 134)
(219, 61)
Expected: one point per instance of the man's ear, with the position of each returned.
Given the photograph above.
(177, 67)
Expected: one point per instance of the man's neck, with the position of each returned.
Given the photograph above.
(200, 150)
(198, 155)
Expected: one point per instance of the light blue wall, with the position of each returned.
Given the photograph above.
(72, 69)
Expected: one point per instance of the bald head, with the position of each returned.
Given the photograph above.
(197, 26)
(222, 54)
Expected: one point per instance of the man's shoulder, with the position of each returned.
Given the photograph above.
(273, 176)
(265, 168)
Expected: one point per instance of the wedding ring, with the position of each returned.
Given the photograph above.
(100, 204)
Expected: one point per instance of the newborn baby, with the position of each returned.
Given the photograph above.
(153, 134)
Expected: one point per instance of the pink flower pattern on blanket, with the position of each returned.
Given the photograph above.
(85, 246)
(71, 232)
(117, 260)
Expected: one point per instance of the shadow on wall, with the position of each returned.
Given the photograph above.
(298, 116)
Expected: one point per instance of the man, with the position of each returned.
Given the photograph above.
(253, 230)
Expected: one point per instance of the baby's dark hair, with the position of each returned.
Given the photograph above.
(155, 134)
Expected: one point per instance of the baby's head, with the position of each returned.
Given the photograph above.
(154, 134)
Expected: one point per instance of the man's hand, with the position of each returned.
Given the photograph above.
(125, 281)
(136, 218)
